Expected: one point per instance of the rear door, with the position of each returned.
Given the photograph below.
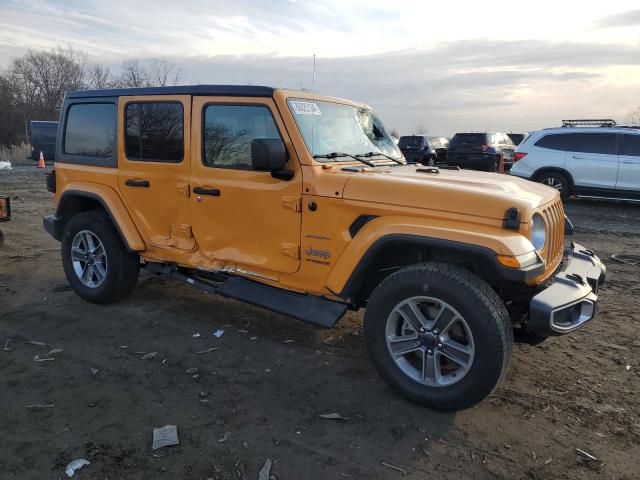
(593, 160)
(629, 171)
(153, 167)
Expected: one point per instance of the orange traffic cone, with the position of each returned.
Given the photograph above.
(41, 161)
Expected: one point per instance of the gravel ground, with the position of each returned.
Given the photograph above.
(118, 371)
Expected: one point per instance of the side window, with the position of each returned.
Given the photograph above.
(560, 141)
(595, 143)
(154, 131)
(631, 145)
(228, 131)
(90, 129)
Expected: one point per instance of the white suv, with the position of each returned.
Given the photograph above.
(602, 162)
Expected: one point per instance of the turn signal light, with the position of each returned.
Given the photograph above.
(519, 261)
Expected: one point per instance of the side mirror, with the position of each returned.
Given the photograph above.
(268, 154)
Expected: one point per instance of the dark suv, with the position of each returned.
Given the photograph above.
(481, 151)
(41, 136)
(417, 149)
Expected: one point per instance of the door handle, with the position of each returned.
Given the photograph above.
(137, 183)
(629, 162)
(214, 192)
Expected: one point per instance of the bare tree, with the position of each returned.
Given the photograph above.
(394, 132)
(99, 76)
(11, 126)
(41, 79)
(420, 130)
(150, 73)
(633, 117)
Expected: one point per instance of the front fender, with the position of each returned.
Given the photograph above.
(477, 239)
(112, 204)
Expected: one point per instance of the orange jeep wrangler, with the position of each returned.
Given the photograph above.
(302, 204)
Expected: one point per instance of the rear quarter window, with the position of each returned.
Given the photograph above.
(90, 129)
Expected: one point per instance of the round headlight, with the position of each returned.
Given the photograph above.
(538, 232)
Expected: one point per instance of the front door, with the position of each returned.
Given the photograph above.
(629, 172)
(153, 167)
(243, 219)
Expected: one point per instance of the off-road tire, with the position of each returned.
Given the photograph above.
(123, 266)
(565, 193)
(483, 311)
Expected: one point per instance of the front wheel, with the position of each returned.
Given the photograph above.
(439, 335)
(558, 181)
(95, 260)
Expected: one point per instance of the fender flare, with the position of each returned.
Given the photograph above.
(561, 170)
(112, 205)
(348, 273)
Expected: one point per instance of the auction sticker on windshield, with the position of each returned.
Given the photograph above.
(304, 108)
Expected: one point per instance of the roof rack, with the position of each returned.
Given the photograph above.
(589, 122)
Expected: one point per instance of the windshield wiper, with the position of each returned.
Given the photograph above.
(334, 155)
(376, 154)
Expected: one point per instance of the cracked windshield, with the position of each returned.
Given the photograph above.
(329, 128)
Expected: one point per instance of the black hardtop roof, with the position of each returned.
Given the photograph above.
(220, 90)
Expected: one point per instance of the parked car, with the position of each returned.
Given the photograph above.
(516, 138)
(41, 136)
(481, 151)
(440, 145)
(602, 162)
(417, 149)
(302, 204)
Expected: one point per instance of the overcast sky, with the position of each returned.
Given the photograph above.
(450, 66)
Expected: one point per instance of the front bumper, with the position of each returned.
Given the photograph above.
(570, 299)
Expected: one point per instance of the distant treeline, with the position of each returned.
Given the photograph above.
(33, 86)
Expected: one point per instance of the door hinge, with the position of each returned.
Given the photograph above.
(294, 203)
(291, 250)
(184, 189)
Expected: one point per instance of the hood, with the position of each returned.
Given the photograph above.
(469, 192)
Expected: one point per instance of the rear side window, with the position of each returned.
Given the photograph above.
(560, 141)
(90, 129)
(410, 141)
(154, 131)
(594, 143)
(228, 131)
(631, 145)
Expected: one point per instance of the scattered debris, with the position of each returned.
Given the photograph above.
(34, 342)
(54, 351)
(265, 471)
(94, 371)
(209, 350)
(124, 346)
(397, 469)
(62, 430)
(38, 359)
(76, 465)
(42, 405)
(289, 341)
(196, 335)
(253, 338)
(203, 394)
(218, 333)
(533, 455)
(332, 416)
(585, 455)
(242, 330)
(165, 436)
(148, 355)
(6, 346)
(191, 370)
(548, 461)
(224, 437)
(628, 367)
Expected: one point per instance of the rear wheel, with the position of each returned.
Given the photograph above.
(556, 180)
(439, 335)
(95, 260)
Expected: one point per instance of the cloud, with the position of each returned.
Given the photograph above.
(622, 19)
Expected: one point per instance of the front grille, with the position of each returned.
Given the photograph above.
(554, 218)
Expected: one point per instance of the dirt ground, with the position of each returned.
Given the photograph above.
(259, 391)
